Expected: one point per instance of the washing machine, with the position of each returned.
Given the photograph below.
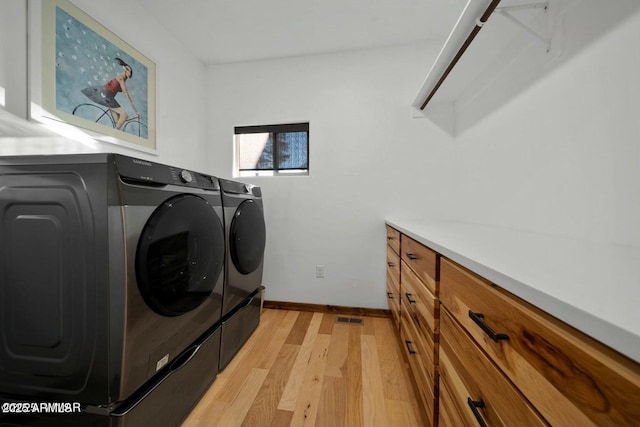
(245, 242)
(111, 281)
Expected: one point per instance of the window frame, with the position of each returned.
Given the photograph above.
(274, 130)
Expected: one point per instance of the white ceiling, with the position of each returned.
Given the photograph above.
(220, 31)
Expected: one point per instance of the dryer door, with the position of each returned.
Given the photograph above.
(247, 237)
(180, 255)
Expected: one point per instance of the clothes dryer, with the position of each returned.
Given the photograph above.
(246, 238)
(111, 268)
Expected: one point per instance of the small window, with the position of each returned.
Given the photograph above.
(272, 150)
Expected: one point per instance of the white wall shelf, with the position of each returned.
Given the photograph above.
(520, 42)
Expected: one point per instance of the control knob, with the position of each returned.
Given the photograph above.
(185, 176)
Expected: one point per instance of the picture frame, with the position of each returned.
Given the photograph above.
(84, 75)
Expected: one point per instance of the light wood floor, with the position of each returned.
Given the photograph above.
(304, 369)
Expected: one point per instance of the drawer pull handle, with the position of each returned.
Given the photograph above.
(390, 264)
(477, 318)
(407, 343)
(390, 238)
(474, 405)
(389, 295)
(411, 301)
(412, 257)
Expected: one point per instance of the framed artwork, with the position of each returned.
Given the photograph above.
(84, 75)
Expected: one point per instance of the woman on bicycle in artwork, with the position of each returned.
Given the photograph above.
(106, 95)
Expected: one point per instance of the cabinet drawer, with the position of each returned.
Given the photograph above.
(393, 266)
(570, 378)
(393, 239)
(423, 306)
(393, 299)
(393, 284)
(451, 412)
(422, 344)
(467, 375)
(422, 260)
(419, 354)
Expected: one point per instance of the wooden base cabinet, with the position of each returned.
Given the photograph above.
(481, 356)
(393, 273)
(473, 391)
(569, 378)
(418, 317)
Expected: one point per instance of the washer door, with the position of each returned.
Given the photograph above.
(247, 237)
(180, 255)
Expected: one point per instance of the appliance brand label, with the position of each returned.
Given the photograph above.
(141, 162)
(160, 364)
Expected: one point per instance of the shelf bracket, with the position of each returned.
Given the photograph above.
(506, 12)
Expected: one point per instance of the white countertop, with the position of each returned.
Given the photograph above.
(592, 286)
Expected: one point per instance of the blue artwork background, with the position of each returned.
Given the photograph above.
(86, 59)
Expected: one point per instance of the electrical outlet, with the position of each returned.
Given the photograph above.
(320, 271)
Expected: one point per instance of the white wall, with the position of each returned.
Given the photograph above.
(180, 101)
(363, 166)
(13, 57)
(562, 158)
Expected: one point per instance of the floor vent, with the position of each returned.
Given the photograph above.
(350, 320)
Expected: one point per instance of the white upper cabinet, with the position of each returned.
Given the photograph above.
(521, 41)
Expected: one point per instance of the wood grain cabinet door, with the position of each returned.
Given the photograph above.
(570, 378)
(393, 238)
(422, 304)
(473, 391)
(393, 284)
(393, 267)
(419, 352)
(422, 260)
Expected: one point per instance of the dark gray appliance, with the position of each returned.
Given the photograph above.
(164, 401)
(111, 270)
(245, 243)
(238, 326)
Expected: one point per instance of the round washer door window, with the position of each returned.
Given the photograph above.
(180, 255)
(247, 237)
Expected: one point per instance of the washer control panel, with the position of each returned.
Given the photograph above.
(235, 187)
(143, 171)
